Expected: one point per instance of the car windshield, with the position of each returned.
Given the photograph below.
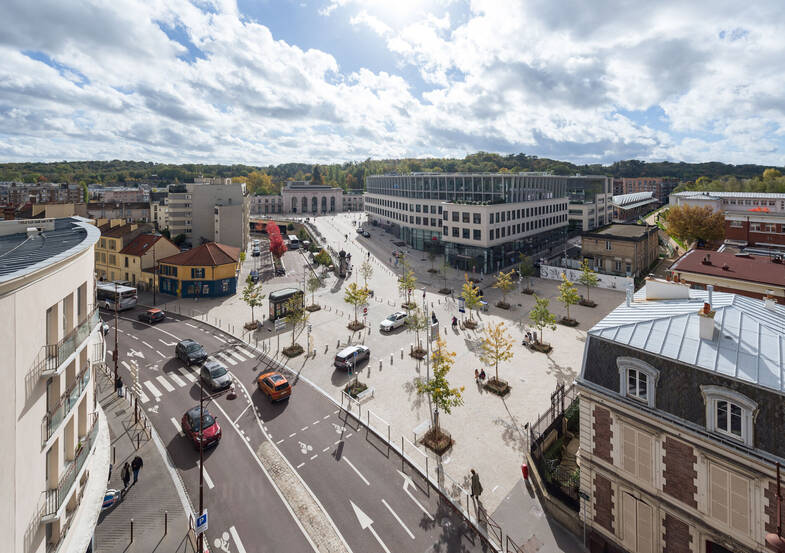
(192, 347)
(283, 386)
(392, 317)
(208, 422)
(217, 371)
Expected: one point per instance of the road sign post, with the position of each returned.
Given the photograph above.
(201, 523)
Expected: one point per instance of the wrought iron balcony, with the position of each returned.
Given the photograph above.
(52, 356)
(67, 401)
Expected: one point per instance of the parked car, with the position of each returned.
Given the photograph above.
(256, 252)
(152, 316)
(350, 357)
(366, 234)
(396, 320)
(190, 352)
(191, 423)
(280, 271)
(274, 385)
(359, 230)
(214, 374)
(254, 275)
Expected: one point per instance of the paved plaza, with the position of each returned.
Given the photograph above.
(488, 430)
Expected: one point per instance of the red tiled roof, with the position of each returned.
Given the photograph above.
(753, 268)
(208, 255)
(141, 244)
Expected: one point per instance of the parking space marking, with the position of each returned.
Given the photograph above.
(186, 374)
(241, 414)
(165, 383)
(152, 388)
(177, 380)
(207, 479)
(236, 538)
(132, 336)
(161, 354)
(177, 426)
(355, 470)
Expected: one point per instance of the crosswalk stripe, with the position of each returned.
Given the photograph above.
(187, 375)
(126, 365)
(236, 355)
(152, 388)
(177, 426)
(223, 357)
(219, 338)
(246, 353)
(177, 380)
(165, 383)
(142, 396)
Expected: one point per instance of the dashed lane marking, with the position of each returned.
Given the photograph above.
(165, 383)
(153, 389)
(177, 426)
(314, 457)
(126, 365)
(293, 434)
(236, 538)
(325, 449)
(315, 422)
(161, 354)
(279, 441)
(148, 345)
(300, 465)
(324, 418)
(219, 338)
(304, 428)
(192, 326)
(394, 514)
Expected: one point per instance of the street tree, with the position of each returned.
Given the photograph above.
(505, 284)
(588, 278)
(541, 317)
(417, 321)
(526, 270)
(313, 285)
(297, 316)
(252, 296)
(242, 257)
(471, 296)
(323, 258)
(690, 223)
(407, 282)
(366, 271)
(445, 270)
(355, 296)
(568, 294)
(443, 396)
(277, 246)
(496, 346)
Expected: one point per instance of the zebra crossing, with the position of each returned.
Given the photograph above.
(181, 376)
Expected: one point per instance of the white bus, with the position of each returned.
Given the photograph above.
(294, 242)
(106, 292)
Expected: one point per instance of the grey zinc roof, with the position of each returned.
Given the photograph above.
(637, 198)
(748, 344)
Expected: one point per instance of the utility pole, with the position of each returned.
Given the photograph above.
(116, 353)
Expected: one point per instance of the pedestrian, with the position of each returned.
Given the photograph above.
(476, 377)
(110, 472)
(126, 475)
(118, 386)
(482, 375)
(476, 486)
(136, 465)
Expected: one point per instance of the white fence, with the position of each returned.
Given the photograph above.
(603, 281)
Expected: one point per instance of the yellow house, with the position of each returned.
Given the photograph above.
(209, 270)
(139, 258)
(109, 265)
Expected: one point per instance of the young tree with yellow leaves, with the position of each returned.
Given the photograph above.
(505, 284)
(471, 297)
(496, 348)
(437, 388)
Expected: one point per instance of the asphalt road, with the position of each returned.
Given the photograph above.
(356, 478)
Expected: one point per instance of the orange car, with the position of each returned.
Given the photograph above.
(274, 385)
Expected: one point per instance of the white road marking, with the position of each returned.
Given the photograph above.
(338, 441)
(132, 336)
(304, 428)
(177, 380)
(166, 343)
(301, 464)
(408, 482)
(279, 441)
(314, 457)
(357, 471)
(143, 397)
(161, 354)
(186, 374)
(241, 414)
(148, 345)
(192, 326)
(324, 418)
(315, 422)
(325, 449)
(177, 426)
(246, 353)
(153, 389)
(207, 479)
(393, 513)
(236, 538)
(219, 338)
(236, 355)
(225, 358)
(293, 434)
(165, 383)
(121, 330)
(349, 435)
(126, 365)
(366, 523)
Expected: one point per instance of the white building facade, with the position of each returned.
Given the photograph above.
(55, 463)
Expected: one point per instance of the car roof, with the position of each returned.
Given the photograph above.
(400, 313)
(349, 350)
(213, 363)
(154, 310)
(276, 377)
(188, 341)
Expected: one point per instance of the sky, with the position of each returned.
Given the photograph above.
(264, 82)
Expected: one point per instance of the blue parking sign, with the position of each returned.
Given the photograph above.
(201, 523)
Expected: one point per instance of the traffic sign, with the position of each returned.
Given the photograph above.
(280, 324)
(201, 523)
(365, 310)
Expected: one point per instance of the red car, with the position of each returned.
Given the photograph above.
(211, 434)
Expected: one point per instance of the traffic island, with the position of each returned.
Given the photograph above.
(409, 306)
(313, 307)
(355, 388)
(437, 440)
(254, 325)
(292, 351)
(354, 326)
(587, 303)
(568, 322)
(497, 386)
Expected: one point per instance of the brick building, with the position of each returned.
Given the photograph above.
(751, 218)
(682, 422)
(620, 249)
(755, 276)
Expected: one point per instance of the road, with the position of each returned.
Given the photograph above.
(376, 502)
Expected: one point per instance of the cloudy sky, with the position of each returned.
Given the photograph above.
(272, 81)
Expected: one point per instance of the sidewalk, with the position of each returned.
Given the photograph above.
(144, 502)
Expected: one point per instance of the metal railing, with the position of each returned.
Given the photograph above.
(56, 496)
(55, 416)
(54, 355)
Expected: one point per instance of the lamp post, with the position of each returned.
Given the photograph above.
(116, 353)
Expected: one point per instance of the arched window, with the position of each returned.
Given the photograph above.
(304, 204)
(637, 379)
(324, 204)
(332, 204)
(314, 204)
(729, 413)
(294, 205)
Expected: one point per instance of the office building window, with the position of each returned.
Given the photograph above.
(465, 233)
(455, 216)
(477, 234)
(465, 217)
(477, 218)
(455, 232)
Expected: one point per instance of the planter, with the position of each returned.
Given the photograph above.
(409, 306)
(355, 388)
(470, 324)
(542, 348)
(292, 351)
(568, 322)
(432, 271)
(418, 353)
(314, 307)
(437, 440)
(355, 326)
(251, 326)
(498, 387)
(502, 305)
(445, 291)
(587, 303)
(528, 291)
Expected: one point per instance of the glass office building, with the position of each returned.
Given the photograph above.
(481, 221)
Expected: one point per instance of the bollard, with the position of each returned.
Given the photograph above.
(338, 344)
(380, 364)
(166, 521)
(114, 455)
(137, 440)
(401, 353)
(132, 530)
(391, 359)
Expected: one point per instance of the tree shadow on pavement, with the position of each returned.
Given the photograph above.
(473, 345)
(415, 400)
(511, 430)
(562, 373)
(456, 536)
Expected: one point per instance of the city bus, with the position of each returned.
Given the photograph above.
(294, 242)
(280, 299)
(107, 292)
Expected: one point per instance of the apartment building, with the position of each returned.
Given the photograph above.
(140, 256)
(209, 270)
(681, 395)
(481, 221)
(54, 463)
(590, 203)
(115, 235)
(191, 210)
(751, 218)
(660, 187)
(118, 194)
(127, 211)
(51, 210)
(17, 193)
(618, 249)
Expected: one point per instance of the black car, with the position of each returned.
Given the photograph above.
(152, 316)
(190, 352)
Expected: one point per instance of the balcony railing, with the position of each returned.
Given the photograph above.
(59, 412)
(54, 355)
(56, 496)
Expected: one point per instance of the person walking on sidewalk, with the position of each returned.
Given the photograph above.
(118, 385)
(126, 475)
(476, 486)
(137, 465)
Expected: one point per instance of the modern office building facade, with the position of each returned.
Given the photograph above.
(481, 221)
(54, 463)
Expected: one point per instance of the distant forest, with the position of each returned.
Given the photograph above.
(351, 175)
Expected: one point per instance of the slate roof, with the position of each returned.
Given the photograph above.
(119, 230)
(748, 343)
(207, 255)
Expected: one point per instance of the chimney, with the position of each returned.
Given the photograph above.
(706, 322)
(710, 290)
(629, 295)
(769, 301)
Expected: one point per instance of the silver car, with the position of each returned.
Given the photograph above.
(215, 375)
(351, 356)
(394, 321)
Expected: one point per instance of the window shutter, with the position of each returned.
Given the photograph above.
(645, 457)
(628, 517)
(645, 528)
(628, 449)
(739, 504)
(718, 493)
